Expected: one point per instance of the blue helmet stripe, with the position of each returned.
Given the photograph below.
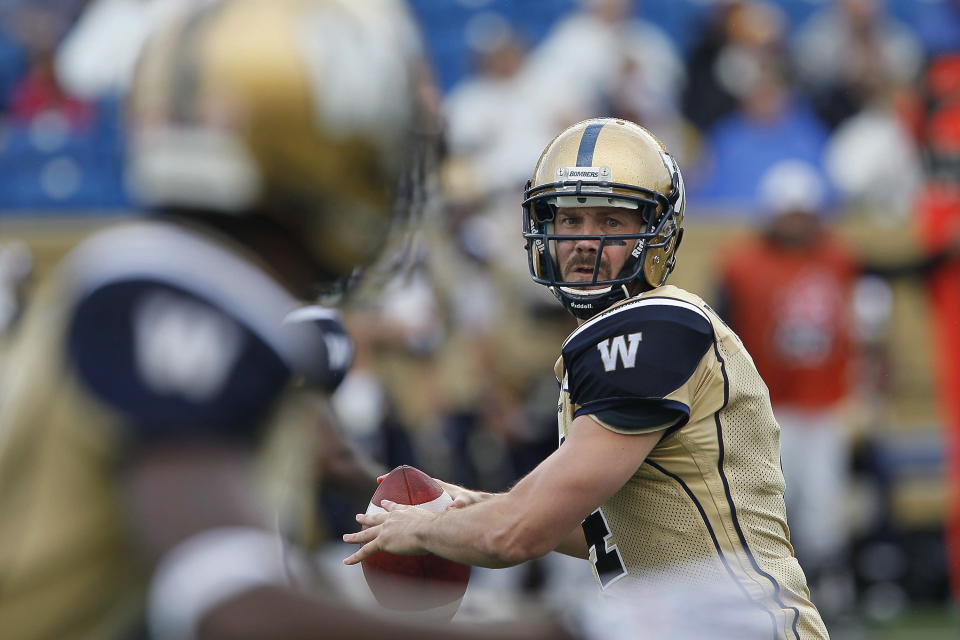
(587, 144)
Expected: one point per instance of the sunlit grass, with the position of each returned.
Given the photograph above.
(918, 624)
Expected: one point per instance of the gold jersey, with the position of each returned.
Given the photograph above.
(146, 332)
(706, 507)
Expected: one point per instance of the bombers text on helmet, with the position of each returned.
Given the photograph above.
(604, 162)
(300, 110)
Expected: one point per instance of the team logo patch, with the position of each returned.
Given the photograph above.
(587, 174)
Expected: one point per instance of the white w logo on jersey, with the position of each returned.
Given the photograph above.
(339, 350)
(183, 348)
(614, 349)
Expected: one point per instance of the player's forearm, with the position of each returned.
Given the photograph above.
(574, 544)
(491, 534)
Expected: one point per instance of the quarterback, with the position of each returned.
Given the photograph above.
(667, 475)
(158, 426)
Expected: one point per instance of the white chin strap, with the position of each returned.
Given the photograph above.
(582, 292)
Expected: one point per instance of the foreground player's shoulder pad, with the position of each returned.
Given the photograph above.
(172, 363)
(644, 349)
(337, 346)
(180, 334)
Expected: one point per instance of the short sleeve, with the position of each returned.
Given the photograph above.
(631, 368)
(172, 364)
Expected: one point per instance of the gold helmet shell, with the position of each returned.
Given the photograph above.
(605, 162)
(300, 110)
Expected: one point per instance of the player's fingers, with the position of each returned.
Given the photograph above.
(361, 537)
(361, 554)
(380, 478)
(371, 519)
(389, 505)
(449, 488)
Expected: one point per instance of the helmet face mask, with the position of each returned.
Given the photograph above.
(635, 174)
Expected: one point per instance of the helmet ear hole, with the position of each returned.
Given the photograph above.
(648, 212)
(543, 212)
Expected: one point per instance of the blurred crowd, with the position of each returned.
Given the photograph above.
(782, 126)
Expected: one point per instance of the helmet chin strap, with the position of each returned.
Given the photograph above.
(580, 292)
(587, 305)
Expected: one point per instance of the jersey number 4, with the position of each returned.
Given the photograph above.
(603, 551)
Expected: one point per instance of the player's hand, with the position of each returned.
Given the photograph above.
(396, 531)
(462, 497)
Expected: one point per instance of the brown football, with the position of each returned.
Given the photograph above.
(414, 583)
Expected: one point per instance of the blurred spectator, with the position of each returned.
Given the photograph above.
(772, 124)
(39, 95)
(632, 98)
(873, 150)
(499, 143)
(39, 27)
(788, 292)
(739, 38)
(842, 49)
(592, 51)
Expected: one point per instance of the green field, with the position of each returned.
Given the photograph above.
(919, 624)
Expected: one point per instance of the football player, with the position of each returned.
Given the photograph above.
(667, 477)
(152, 439)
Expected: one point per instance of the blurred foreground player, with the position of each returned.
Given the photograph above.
(667, 477)
(152, 437)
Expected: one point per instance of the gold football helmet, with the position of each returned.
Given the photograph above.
(605, 162)
(304, 111)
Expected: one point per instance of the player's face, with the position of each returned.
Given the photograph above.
(578, 257)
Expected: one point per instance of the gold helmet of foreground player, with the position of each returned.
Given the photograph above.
(605, 162)
(304, 111)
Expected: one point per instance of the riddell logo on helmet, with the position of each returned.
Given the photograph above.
(577, 305)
